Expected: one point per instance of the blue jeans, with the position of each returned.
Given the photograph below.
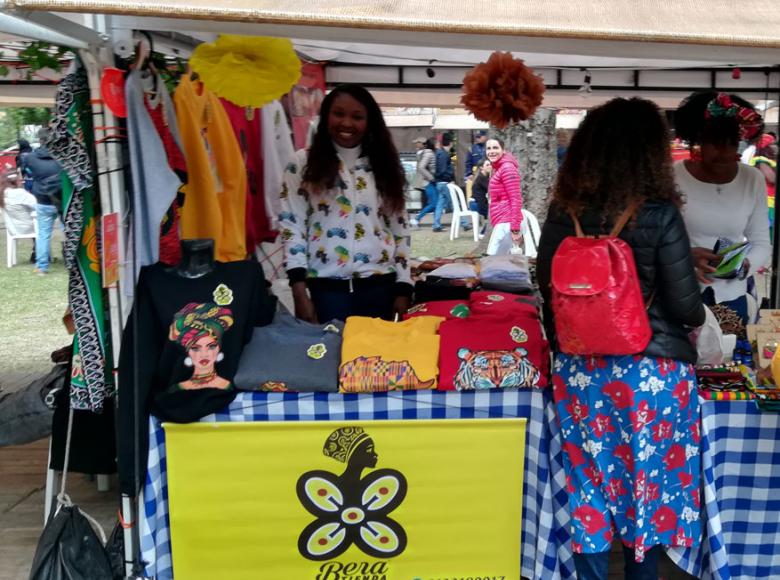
(431, 197)
(596, 566)
(46, 216)
(442, 204)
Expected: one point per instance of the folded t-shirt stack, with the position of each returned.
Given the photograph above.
(500, 345)
(508, 273)
(443, 308)
(378, 355)
(291, 355)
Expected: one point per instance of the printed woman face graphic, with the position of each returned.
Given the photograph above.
(203, 354)
(364, 455)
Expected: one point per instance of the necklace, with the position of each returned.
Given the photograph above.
(203, 379)
(719, 188)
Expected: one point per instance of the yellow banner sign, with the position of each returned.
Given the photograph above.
(358, 500)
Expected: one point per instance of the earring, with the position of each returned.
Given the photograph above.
(220, 357)
(188, 362)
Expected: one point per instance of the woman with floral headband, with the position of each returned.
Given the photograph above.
(198, 328)
(724, 199)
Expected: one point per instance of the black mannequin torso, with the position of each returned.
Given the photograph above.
(197, 258)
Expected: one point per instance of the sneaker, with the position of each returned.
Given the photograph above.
(438, 229)
(413, 223)
(466, 227)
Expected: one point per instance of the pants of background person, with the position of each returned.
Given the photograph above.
(372, 296)
(442, 204)
(500, 240)
(482, 211)
(596, 566)
(46, 216)
(431, 198)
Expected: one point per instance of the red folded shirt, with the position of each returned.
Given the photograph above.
(486, 301)
(444, 308)
(501, 349)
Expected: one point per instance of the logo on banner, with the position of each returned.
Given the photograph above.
(349, 508)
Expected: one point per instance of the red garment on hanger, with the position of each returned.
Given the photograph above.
(249, 136)
(170, 249)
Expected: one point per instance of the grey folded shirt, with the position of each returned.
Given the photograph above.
(291, 355)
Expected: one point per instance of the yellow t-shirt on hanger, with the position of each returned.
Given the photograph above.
(377, 355)
(215, 195)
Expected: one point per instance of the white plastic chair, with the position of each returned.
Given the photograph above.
(12, 236)
(531, 233)
(460, 210)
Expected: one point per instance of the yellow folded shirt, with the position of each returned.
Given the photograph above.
(377, 355)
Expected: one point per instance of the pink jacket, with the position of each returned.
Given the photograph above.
(506, 200)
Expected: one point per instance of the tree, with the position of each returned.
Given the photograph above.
(13, 119)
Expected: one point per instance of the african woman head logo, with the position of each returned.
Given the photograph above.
(198, 328)
(351, 509)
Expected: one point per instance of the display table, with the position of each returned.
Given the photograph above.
(740, 448)
(540, 549)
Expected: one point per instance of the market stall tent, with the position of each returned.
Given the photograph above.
(612, 36)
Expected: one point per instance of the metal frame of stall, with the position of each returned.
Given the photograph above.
(94, 44)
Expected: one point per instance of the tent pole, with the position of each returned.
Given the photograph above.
(775, 265)
(111, 186)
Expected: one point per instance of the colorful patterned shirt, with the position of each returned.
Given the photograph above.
(341, 232)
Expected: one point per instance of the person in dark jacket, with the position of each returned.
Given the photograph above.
(629, 423)
(443, 175)
(24, 150)
(45, 173)
(475, 154)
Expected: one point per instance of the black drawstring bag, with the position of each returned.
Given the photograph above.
(69, 549)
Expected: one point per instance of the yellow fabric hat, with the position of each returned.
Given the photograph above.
(250, 71)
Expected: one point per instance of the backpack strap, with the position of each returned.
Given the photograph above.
(577, 227)
(621, 222)
(624, 218)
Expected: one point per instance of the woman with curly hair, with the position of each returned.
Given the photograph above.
(724, 199)
(344, 223)
(629, 423)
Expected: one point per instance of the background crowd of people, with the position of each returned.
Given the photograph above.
(32, 197)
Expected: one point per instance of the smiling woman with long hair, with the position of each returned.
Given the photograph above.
(344, 222)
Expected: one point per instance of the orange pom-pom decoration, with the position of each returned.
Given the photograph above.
(502, 90)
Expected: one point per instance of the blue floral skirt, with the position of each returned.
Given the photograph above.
(630, 427)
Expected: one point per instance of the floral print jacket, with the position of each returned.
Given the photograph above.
(341, 232)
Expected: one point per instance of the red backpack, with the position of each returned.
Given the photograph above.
(596, 297)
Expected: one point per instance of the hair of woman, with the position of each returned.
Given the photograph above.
(430, 143)
(498, 139)
(619, 154)
(322, 165)
(692, 125)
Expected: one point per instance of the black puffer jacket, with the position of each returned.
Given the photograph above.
(664, 263)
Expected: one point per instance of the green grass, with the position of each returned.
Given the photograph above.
(429, 244)
(31, 311)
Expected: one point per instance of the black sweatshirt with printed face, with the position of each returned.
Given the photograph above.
(180, 351)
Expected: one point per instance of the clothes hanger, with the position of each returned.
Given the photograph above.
(143, 60)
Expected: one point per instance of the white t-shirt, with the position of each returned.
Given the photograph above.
(19, 207)
(736, 210)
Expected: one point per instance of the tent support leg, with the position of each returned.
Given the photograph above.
(110, 171)
(775, 265)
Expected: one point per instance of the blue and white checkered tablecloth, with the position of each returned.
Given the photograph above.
(740, 449)
(544, 500)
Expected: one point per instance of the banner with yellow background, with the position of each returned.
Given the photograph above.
(394, 500)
